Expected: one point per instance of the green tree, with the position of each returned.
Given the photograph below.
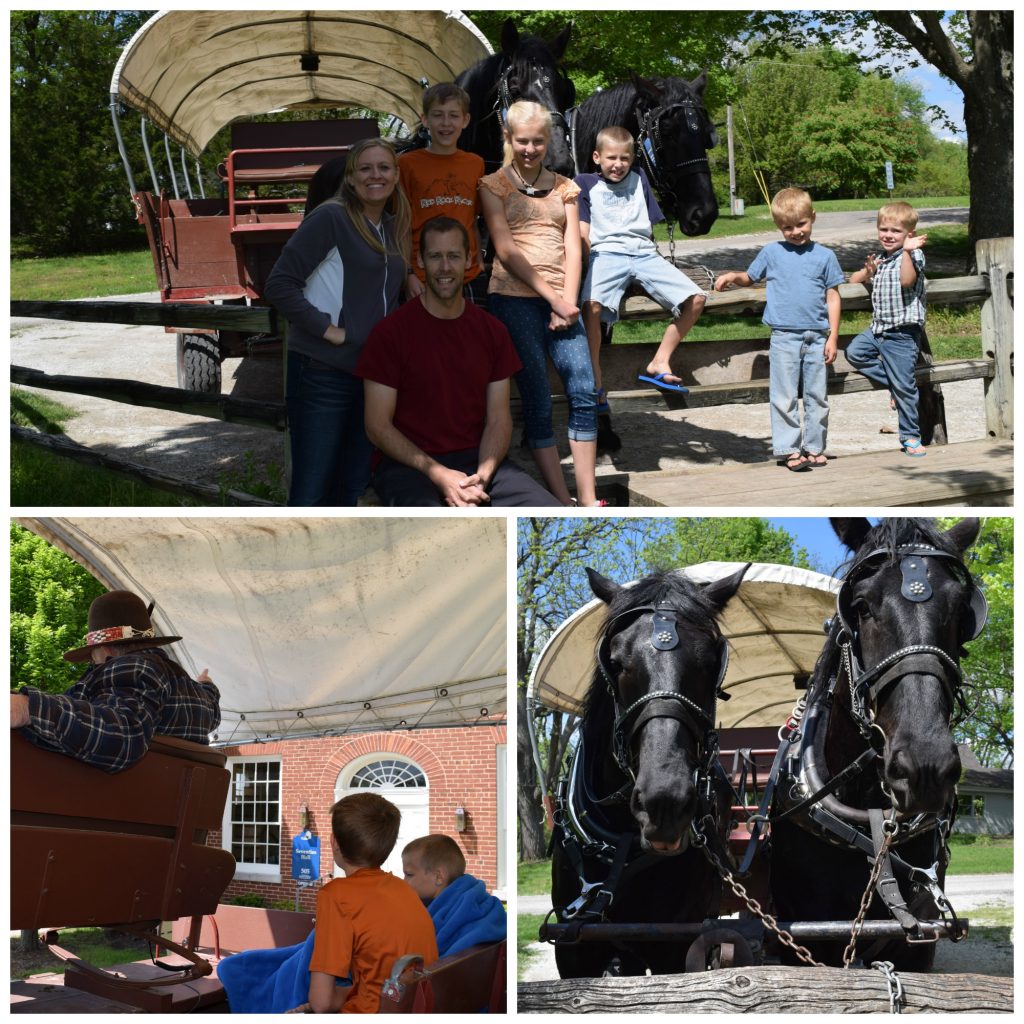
(607, 44)
(50, 598)
(733, 539)
(988, 668)
(68, 190)
(973, 49)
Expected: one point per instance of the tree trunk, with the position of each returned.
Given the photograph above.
(528, 805)
(29, 941)
(988, 117)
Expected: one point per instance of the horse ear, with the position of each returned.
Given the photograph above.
(721, 591)
(964, 533)
(647, 88)
(852, 532)
(602, 587)
(699, 84)
(560, 42)
(509, 37)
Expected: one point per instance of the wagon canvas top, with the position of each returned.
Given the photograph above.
(192, 72)
(302, 622)
(773, 626)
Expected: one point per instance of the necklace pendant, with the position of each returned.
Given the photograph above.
(530, 190)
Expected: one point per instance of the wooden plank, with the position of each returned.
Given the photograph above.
(975, 473)
(745, 392)
(155, 396)
(768, 990)
(947, 291)
(995, 258)
(251, 319)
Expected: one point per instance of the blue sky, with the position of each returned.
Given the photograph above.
(814, 533)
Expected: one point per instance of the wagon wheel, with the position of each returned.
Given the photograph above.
(199, 363)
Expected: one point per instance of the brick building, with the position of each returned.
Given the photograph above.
(280, 787)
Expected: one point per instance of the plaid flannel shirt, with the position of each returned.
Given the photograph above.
(109, 716)
(892, 304)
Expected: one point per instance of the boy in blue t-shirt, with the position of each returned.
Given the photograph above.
(802, 309)
(617, 214)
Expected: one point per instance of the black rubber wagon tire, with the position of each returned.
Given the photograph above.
(199, 363)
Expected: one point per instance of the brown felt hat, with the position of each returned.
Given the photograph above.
(117, 618)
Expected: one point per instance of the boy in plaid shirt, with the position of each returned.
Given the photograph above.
(887, 351)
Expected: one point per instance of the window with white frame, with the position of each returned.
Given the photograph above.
(252, 816)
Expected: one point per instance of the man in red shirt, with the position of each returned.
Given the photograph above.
(437, 375)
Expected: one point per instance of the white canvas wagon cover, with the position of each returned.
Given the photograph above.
(773, 625)
(192, 72)
(318, 625)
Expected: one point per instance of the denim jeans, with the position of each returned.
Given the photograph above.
(796, 362)
(330, 452)
(889, 360)
(527, 321)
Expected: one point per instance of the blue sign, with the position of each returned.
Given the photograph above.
(306, 857)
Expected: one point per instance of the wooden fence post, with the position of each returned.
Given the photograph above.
(995, 259)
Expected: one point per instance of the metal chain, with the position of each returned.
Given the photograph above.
(671, 243)
(756, 909)
(897, 997)
(866, 898)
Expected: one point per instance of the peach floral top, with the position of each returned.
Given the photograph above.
(537, 224)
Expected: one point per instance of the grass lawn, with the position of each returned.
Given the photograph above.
(83, 277)
(533, 878)
(42, 478)
(980, 855)
(94, 945)
(527, 928)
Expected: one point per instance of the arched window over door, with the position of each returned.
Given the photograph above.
(399, 780)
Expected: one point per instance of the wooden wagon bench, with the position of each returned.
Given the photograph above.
(718, 373)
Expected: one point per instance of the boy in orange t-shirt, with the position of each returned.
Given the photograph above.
(441, 180)
(367, 920)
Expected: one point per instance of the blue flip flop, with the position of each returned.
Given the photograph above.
(914, 449)
(658, 380)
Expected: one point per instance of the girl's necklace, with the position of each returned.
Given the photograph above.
(528, 187)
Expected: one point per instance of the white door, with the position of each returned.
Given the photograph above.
(403, 783)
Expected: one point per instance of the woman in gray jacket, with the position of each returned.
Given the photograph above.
(339, 274)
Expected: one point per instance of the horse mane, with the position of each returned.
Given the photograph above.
(891, 534)
(668, 585)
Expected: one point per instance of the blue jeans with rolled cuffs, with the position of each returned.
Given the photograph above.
(330, 452)
(796, 363)
(527, 321)
(889, 359)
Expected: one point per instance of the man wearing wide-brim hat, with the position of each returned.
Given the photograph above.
(131, 691)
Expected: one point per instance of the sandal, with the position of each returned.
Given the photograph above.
(816, 459)
(913, 449)
(796, 462)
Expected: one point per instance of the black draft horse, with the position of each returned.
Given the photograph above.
(667, 118)
(526, 68)
(906, 608)
(641, 772)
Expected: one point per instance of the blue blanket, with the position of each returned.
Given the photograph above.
(465, 914)
(267, 980)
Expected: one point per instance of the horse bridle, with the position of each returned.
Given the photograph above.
(660, 703)
(650, 144)
(867, 685)
(505, 99)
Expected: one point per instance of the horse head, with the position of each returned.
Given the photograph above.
(660, 663)
(675, 132)
(907, 606)
(532, 73)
